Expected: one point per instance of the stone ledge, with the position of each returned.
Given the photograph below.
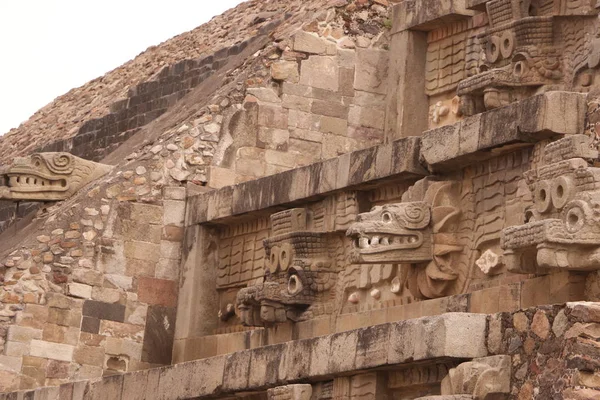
(528, 121)
(426, 15)
(452, 335)
(399, 159)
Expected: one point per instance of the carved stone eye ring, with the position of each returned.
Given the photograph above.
(543, 202)
(562, 189)
(274, 259)
(294, 284)
(575, 215)
(386, 217)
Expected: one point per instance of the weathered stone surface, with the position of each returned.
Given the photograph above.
(320, 72)
(526, 121)
(371, 70)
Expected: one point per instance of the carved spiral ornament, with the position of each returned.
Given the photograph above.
(417, 215)
(61, 163)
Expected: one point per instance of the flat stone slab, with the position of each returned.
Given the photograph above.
(426, 15)
(399, 159)
(483, 135)
(452, 335)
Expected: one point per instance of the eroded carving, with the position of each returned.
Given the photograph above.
(48, 176)
(483, 378)
(298, 269)
(526, 49)
(290, 392)
(562, 228)
(420, 234)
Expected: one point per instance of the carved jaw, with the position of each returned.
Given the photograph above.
(271, 302)
(384, 246)
(48, 176)
(569, 243)
(394, 233)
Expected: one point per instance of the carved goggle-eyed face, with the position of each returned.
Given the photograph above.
(552, 195)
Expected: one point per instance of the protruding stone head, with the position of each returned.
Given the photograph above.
(48, 176)
(392, 233)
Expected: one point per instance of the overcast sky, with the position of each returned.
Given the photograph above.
(48, 47)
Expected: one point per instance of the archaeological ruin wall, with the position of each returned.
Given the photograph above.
(410, 214)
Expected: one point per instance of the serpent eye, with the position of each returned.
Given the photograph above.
(386, 217)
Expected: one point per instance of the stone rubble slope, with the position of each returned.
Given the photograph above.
(62, 118)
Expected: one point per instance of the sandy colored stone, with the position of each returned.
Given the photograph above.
(540, 325)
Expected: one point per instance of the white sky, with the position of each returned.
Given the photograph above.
(48, 47)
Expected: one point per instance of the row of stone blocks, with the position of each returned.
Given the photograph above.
(147, 101)
(450, 147)
(453, 335)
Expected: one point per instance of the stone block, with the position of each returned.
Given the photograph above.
(295, 361)
(174, 212)
(101, 310)
(141, 231)
(342, 352)
(147, 213)
(109, 387)
(12, 363)
(367, 117)
(168, 269)
(53, 351)
(141, 385)
(174, 193)
(336, 126)
(22, 334)
(456, 335)
(320, 72)
(372, 346)
(121, 347)
(121, 330)
(296, 103)
(16, 349)
(271, 116)
(79, 290)
(526, 121)
(330, 109)
(237, 371)
(64, 317)
(191, 379)
(264, 365)
(281, 71)
(371, 70)
(220, 177)
(274, 139)
(159, 333)
(142, 251)
(89, 355)
(157, 291)
(427, 14)
(310, 43)
(265, 94)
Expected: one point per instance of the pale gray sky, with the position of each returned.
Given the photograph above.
(48, 47)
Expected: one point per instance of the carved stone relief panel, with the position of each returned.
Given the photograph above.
(562, 228)
(514, 50)
(527, 48)
(444, 236)
(451, 57)
(416, 381)
(303, 256)
(437, 237)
